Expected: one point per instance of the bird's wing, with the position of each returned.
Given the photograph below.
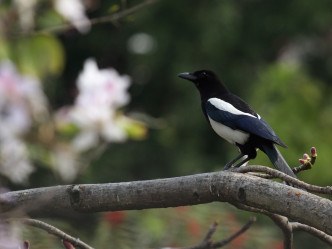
(228, 115)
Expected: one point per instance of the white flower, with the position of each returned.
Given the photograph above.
(66, 162)
(102, 87)
(14, 115)
(101, 93)
(21, 101)
(74, 12)
(15, 163)
(26, 13)
(10, 235)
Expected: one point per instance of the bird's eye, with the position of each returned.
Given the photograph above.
(203, 75)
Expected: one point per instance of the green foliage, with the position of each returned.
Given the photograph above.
(39, 55)
(294, 103)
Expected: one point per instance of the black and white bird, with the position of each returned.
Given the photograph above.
(235, 121)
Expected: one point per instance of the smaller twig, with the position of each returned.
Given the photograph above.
(306, 163)
(238, 233)
(284, 177)
(300, 168)
(208, 244)
(318, 233)
(104, 19)
(211, 231)
(57, 232)
(287, 227)
(296, 170)
(261, 175)
(279, 220)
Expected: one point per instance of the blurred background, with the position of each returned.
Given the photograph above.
(85, 99)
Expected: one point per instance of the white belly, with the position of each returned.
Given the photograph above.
(232, 136)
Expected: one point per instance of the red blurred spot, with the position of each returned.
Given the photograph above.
(277, 245)
(181, 209)
(194, 228)
(230, 217)
(115, 218)
(67, 244)
(238, 242)
(26, 244)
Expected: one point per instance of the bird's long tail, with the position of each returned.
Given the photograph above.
(277, 159)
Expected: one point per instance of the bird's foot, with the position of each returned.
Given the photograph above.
(227, 166)
(231, 163)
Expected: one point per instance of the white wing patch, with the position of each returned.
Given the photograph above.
(224, 106)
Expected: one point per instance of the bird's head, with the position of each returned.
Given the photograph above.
(204, 79)
(200, 77)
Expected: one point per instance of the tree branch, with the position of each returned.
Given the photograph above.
(207, 242)
(287, 227)
(57, 232)
(110, 18)
(231, 187)
(284, 177)
(235, 235)
(319, 234)
(280, 221)
(296, 170)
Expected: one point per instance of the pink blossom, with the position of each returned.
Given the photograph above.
(67, 244)
(313, 152)
(306, 156)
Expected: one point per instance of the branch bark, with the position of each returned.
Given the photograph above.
(57, 232)
(280, 221)
(231, 187)
(98, 20)
(207, 243)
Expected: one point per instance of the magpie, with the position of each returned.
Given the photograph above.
(236, 121)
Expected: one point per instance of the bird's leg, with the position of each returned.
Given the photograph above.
(229, 164)
(242, 162)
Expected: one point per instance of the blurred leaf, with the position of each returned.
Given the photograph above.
(135, 130)
(49, 18)
(67, 129)
(39, 55)
(298, 107)
(154, 225)
(114, 8)
(40, 154)
(4, 51)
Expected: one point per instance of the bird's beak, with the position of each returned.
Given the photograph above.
(187, 76)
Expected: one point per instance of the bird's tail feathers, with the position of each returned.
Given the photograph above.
(277, 159)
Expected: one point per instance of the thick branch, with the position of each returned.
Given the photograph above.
(274, 197)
